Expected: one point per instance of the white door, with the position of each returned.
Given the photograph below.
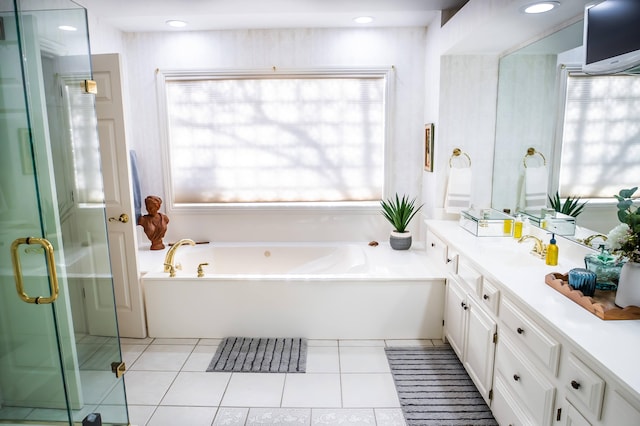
(118, 197)
(455, 317)
(480, 348)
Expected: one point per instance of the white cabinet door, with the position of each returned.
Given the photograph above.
(480, 347)
(455, 317)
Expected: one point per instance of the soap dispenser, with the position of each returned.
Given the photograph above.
(517, 227)
(552, 252)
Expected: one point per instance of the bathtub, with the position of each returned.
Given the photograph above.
(312, 290)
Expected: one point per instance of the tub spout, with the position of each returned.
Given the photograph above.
(171, 254)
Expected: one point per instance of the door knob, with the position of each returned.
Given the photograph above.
(124, 218)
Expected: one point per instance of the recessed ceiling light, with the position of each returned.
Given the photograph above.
(176, 23)
(363, 20)
(67, 28)
(541, 7)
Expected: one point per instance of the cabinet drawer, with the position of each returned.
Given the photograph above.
(527, 333)
(468, 276)
(490, 295)
(525, 381)
(436, 249)
(585, 389)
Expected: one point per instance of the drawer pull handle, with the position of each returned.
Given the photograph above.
(464, 306)
(433, 244)
(485, 297)
(520, 330)
(449, 260)
(575, 384)
(516, 377)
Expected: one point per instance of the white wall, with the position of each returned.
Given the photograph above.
(402, 48)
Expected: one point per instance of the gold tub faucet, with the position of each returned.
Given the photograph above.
(171, 254)
(540, 249)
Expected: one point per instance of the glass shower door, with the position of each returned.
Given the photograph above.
(56, 365)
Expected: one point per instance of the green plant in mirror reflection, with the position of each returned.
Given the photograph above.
(571, 205)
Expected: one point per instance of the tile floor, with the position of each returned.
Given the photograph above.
(348, 382)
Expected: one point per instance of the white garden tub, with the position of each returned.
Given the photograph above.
(312, 290)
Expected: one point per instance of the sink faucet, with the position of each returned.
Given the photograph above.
(171, 254)
(539, 248)
(587, 241)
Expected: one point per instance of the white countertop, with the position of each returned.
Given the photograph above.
(613, 344)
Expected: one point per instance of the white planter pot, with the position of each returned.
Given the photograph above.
(629, 285)
(400, 240)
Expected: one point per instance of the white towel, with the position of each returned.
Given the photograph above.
(458, 196)
(535, 187)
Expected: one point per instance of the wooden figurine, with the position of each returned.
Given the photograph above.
(154, 223)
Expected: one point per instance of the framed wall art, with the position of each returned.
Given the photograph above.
(428, 147)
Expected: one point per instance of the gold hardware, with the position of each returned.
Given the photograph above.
(457, 152)
(90, 87)
(587, 241)
(124, 218)
(171, 253)
(170, 269)
(532, 152)
(201, 270)
(51, 265)
(539, 248)
(118, 368)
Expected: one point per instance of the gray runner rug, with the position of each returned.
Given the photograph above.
(260, 355)
(435, 389)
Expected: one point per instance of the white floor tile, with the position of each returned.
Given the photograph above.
(197, 388)
(279, 416)
(378, 343)
(369, 390)
(163, 358)
(254, 390)
(161, 341)
(130, 353)
(229, 416)
(323, 359)
(209, 342)
(200, 358)
(135, 341)
(147, 387)
(312, 390)
(321, 342)
(363, 360)
(139, 415)
(343, 416)
(389, 417)
(173, 416)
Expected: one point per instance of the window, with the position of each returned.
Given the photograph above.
(276, 138)
(601, 135)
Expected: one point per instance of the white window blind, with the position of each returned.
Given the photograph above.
(601, 136)
(283, 139)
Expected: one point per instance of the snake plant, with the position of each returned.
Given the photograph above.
(571, 206)
(400, 211)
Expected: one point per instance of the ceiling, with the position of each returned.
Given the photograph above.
(145, 15)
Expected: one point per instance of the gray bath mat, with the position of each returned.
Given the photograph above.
(260, 355)
(435, 389)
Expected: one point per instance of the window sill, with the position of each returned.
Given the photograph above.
(355, 207)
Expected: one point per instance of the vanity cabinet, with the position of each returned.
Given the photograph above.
(469, 329)
(552, 364)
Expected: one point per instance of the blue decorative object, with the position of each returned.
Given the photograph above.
(583, 280)
(606, 267)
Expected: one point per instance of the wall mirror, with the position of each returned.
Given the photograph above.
(529, 121)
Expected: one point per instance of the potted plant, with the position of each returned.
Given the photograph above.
(571, 206)
(399, 212)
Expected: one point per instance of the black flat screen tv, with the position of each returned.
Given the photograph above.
(612, 37)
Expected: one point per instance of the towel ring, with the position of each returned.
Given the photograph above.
(456, 153)
(531, 152)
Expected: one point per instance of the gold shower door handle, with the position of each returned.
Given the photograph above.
(51, 265)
